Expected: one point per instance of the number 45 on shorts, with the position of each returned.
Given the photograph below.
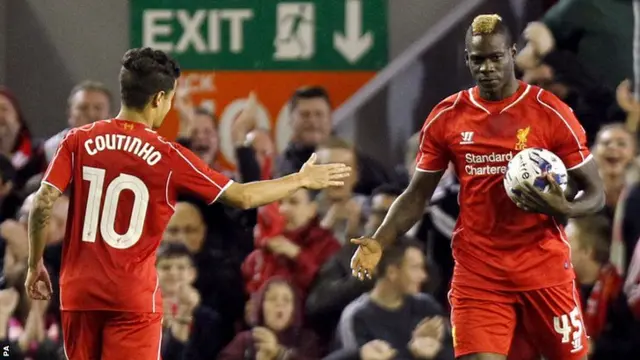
(571, 328)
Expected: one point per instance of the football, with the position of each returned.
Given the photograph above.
(531, 166)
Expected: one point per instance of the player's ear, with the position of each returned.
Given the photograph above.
(514, 50)
(157, 98)
(466, 57)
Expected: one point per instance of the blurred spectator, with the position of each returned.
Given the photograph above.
(191, 328)
(31, 338)
(9, 201)
(593, 103)
(614, 151)
(298, 253)
(598, 32)
(255, 154)
(381, 201)
(198, 129)
(413, 324)
(340, 207)
(629, 103)
(218, 279)
(607, 318)
(335, 287)
(277, 331)
(373, 350)
(16, 142)
(8, 302)
(16, 250)
(311, 123)
(89, 101)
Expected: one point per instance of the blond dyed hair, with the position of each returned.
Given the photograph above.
(486, 24)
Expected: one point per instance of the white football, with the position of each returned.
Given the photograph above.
(531, 166)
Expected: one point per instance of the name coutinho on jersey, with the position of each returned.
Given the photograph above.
(487, 164)
(123, 143)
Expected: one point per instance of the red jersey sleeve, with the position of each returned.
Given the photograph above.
(191, 174)
(569, 139)
(433, 152)
(60, 170)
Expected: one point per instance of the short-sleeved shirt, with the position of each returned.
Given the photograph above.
(497, 245)
(124, 179)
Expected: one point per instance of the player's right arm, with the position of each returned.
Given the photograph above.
(194, 176)
(432, 160)
(312, 176)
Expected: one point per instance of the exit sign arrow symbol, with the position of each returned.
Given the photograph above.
(353, 45)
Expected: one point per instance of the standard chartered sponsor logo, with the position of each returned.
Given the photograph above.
(487, 164)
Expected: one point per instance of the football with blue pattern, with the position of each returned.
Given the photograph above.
(532, 166)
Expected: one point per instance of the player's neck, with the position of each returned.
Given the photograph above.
(507, 90)
(134, 116)
(385, 296)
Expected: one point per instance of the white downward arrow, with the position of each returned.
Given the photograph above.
(353, 44)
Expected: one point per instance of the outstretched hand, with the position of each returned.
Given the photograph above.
(552, 202)
(320, 176)
(366, 257)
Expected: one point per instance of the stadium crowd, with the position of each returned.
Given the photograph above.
(275, 283)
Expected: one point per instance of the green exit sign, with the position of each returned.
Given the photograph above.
(265, 34)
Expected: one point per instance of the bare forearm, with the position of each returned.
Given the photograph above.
(260, 193)
(403, 214)
(39, 221)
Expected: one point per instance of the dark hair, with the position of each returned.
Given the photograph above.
(394, 254)
(387, 189)
(144, 73)
(310, 92)
(172, 251)
(90, 85)
(487, 24)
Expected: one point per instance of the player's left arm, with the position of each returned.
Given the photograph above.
(39, 217)
(590, 198)
(570, 144)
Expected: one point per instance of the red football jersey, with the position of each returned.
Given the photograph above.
(497, 245)
(124, 183)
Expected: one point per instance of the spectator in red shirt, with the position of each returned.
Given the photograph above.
(298, 252)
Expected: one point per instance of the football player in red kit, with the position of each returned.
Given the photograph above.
(124, 180)
(513, 267)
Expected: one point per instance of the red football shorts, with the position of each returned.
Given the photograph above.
(546, 321)
(110, 335)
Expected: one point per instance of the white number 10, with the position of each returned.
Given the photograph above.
(95, 177)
